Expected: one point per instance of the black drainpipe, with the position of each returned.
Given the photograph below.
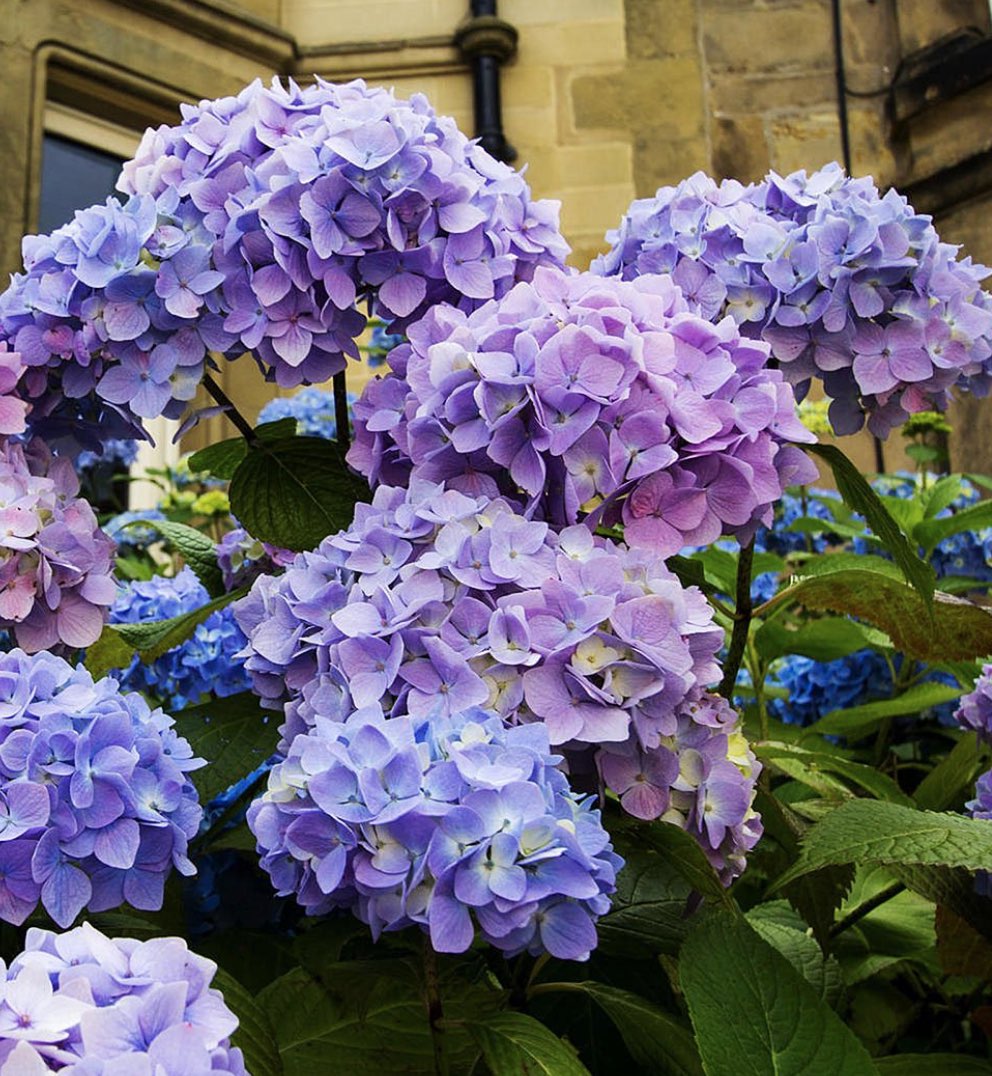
(486, 42)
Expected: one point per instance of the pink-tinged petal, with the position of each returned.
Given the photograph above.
(79, 623)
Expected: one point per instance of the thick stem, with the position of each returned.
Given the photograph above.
(341, 410)
(435, 1012)
(239, 420)
(742, 622)
(866, 908)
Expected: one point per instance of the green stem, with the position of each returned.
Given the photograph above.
(435, 1011)
(742, 622)
(866, 908)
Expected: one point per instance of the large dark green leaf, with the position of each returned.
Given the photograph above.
(785, 930)
(295, 491)
(862, 498)
(197, 550)
(235, 735)
(514, 1044)
(952, 780)
(931, 531)
(254, 1036)
(857, 721)
(222, 458)
(935, 1064)
(804, 761)
(824, 639)
(872, 832)
(754, 1015)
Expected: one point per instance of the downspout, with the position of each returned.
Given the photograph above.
(487, 42)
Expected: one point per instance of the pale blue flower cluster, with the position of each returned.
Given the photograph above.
(312, 408)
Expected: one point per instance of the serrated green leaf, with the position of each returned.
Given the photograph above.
(784, 930)
(656, 1041)
(514, 1044)
(110, 651)
(684, 853)
(942, 494)
(862, 498)
(953, 887)
(958, 629)
(952, 780)
(869, 831)
(235, 735)
(222, 458)
(825, 639)
(858, 721)
(871, 780)
(942, 1064)
(197, 550)
(975, 517)
(295, 491)
(778, 1025)
(154, 638)
(254, 1036)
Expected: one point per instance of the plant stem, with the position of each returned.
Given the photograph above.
(239, 420)
(435, 1012)
(341, 410)
(866, 908)
(742, 622)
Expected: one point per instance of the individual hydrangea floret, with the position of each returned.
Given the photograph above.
(454, 822)
(203, 663)
(576, 390)
(80, 1002)
(435, 602)
(256, 225)
(975, 709)
(848, 286)
(56, 565)
(97, 807)
(242, 558)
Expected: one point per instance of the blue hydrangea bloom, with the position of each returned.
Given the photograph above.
(205, 662)
(131, 538)
(778, 539)
(312, 408)
(816, 688)
(118, 453)
(381, 344)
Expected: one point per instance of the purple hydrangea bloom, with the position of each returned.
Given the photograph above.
(455, 823)
(435, 602)
(97, 807)
(203, 663)
(975, 709)
(847, 285)
(578, 394)
(255, 225)
(56, 578)
(242, 559)
(81, 1002)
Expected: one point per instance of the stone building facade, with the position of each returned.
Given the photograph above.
(605, 100)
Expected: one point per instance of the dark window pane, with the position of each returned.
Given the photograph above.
(73, 176)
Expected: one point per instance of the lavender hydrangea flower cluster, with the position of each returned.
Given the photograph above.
(974, 712)
(254, 226)
(82, 1003)
(434, 602)
(96, 807)
(242, 558)
(454, 822)
(202, 663)
(848, 286)
(56, 564)
(576, 390)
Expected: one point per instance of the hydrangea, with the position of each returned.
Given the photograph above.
(56, 564)
(815, 688)
(981, 807)
(126, 530)
(115, 454)
(96, 807)
(312, 408)
(975, 709)
(435, 602)
(847, 285)
(82, 1003)
(455, 823)
(380, 344)
(242, 558)
(254, 226)
(574, 391)
(203, 663)
(778, 538)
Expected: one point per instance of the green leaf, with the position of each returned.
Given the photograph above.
(110, 651)
(957, 630)
(824, 639)
(975, 517)
(862, 498)
(952, 780)
(295, 491)
(254, 1036)
(878, 784)
(197, 550)
(689, 571)
(942, 494)
(858, 721)
(682, 851)
(952, 887)
(942, 1064)
(514, 1044)
(656, 1040)
(221, 459)
(868, 831)
(784, 930)
(754, 1014)
(235, 735)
